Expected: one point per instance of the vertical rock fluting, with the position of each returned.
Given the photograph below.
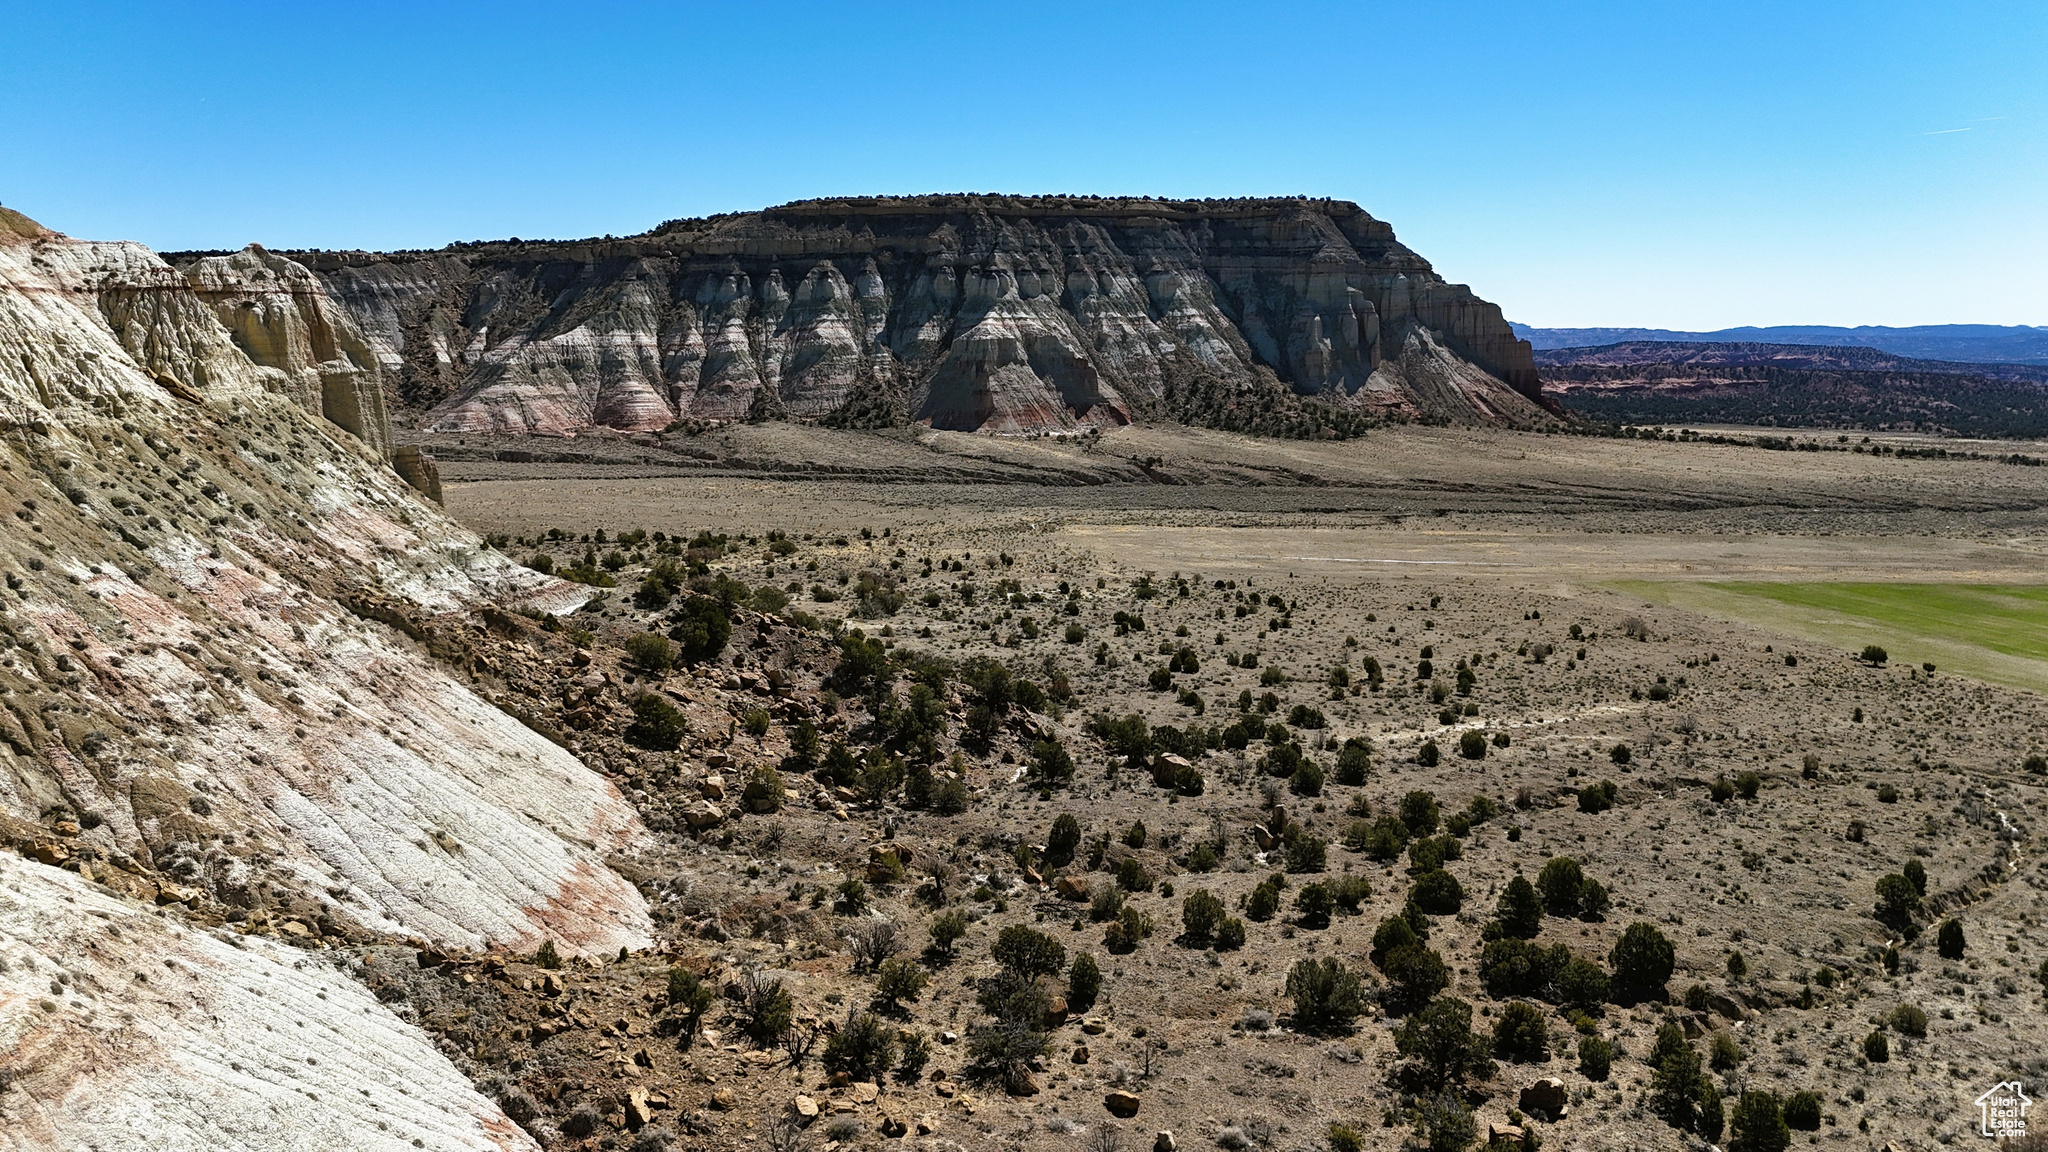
(999, 314)
(283, 319)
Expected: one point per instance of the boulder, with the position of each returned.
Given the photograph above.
(1080, 1055)
(894, 1125)
(1503, 1136)
(1122, 1104)
(702, 814)
(1164, 1142)
(712, 787)
(1072, 887)
(1545, 1097)
(638, 1114)
(723, 1100)
(1055, 1012)
(1094, 1026)
(805, 1108)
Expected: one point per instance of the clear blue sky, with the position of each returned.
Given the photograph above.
(1684, 165)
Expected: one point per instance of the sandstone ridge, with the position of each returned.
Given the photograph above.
(1000, 314)
(234, 654)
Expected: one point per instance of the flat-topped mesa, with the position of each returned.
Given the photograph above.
(1005, 314)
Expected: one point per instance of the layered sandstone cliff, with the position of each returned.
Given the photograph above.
(201, 703)
(1000, 314)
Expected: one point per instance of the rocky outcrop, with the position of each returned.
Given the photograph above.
(224, 689)
(998, 314)
(302, 342)
(127, 1032)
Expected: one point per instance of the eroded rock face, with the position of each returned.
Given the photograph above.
(999, 314)
(167, 1036)
(300, 339)
(204, 687)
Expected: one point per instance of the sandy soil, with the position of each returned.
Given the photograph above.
(1860, 769)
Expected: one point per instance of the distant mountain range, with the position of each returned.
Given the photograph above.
(1980, 343)
(1795, 386)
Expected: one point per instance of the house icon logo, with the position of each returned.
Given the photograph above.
(2002, 1111)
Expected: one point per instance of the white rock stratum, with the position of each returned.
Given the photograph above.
(197, 700)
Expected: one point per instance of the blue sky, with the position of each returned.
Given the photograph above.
(1662, 164)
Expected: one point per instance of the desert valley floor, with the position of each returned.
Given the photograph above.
(1552, 646)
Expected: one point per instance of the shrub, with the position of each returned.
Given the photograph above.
(1303, 716)
(1203, 858)
(917, 1052)
(1124, 933)
(899, 980)
(1908, 1020)
(1028, 952)
(763, 791)
(1131, 875)
(688, 995)
(1051, 763)
(657, 726)
(1428, 754)
(1720, 791)
(1445, 1124)
(1419, 812)
(1876, 1048)
(1759, 1124)
(1416, 972)
(2036, 764)
(1723, 1052)
(1747, 784)
(1307, 854)
(1394, 932)
(1519, 1034)
(1315, 903)
(1619, 754)
(1802, 1111)
(1084, 981)
(1327, 995)
(1511, 967)
(1263, 902)
(1950, 940)
(1519, 912)
(1592, 900)
(652, 652)
(767, 1010)
(1560, 883)
(1354, 765)
(1307, 779)
(1680, 1092)
(700, 629)
(1597, 798)
(1917, 873)
(1350, 891)
(1581, 984)
(947, 929)
(1472, 745)
(1442, 1046)
(1596, 1057)
(546, 957)
(1063, 840)
(1229, 934)
(864, 1047)
(1385, 838)
(1642, 961)
(1872, 654)
(1897, 902)
(1345, 1138)
(1200, 913)
(1438, 893)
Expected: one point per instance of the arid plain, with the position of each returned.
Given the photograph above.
(1597, 610)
